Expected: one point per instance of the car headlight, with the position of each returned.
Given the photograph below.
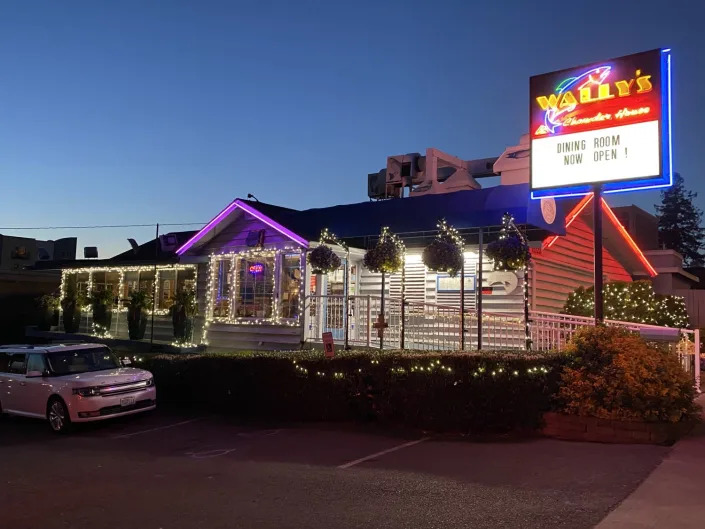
(150, 382)
(86, 392)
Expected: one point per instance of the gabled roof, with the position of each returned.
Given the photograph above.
(616, 239)
(462, 209)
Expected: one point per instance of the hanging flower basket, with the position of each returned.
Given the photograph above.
(445, 253)
(323, 260)
(509, 253)
(387, 255)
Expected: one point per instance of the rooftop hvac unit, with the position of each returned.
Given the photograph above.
(90, 252)
(168, 242)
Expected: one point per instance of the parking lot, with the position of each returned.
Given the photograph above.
(168, 470)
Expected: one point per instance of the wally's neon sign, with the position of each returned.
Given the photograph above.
(587, 88)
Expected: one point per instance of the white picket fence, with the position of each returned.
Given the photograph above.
(434, 327)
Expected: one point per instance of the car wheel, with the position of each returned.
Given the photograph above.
(58, 416)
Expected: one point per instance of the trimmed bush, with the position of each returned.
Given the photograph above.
(459, 392)
(617, 375)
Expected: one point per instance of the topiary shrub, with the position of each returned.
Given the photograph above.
(48, 311)
(617, 375)
(509, 253)
(445, 253)
(182, 311)
(633, 301)
(137, 315)
(101, 304)
(387, 255)
(323, 260)
(71, 304)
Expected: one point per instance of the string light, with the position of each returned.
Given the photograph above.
(121, 270)
(433, 368)
(519, 262)
(634, 302)
(259, 253)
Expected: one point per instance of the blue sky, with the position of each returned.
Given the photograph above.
(163, 111)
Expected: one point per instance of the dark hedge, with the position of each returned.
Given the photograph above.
(454, 392)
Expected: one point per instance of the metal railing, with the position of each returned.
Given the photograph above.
(434, 327)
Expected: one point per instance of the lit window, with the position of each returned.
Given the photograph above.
(254, 287)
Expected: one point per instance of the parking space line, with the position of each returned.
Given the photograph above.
(140, 432)
(383, 452)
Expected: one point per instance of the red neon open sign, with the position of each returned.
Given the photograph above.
(256, 269)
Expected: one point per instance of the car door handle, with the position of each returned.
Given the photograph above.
(23, 383)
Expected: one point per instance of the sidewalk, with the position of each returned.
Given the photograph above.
(673, 496)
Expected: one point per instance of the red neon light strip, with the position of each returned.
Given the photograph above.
(628, 238)
(577, 210)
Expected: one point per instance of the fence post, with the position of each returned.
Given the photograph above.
(369, 317)
(402, 327)
(696, 336)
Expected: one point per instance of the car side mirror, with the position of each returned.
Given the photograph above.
(34, 374)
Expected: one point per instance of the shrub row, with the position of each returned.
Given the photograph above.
(458, 392)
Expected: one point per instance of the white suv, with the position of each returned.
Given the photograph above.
(71, 383)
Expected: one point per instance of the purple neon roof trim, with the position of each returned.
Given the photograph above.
(252, 211)
(273, 224)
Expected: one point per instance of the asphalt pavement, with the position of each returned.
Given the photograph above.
(174, 471)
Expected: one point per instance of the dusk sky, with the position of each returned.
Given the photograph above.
(143, 112)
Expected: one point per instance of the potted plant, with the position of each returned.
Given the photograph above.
(48, 312)
(71, 304)
(509, 253)
(323, 260)
(137, 314)
(101, 304)
(182, 312)
(445, 253)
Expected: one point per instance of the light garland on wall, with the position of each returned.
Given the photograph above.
(121, 270)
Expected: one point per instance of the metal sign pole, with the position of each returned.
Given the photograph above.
(462, 306)
(154, 289)
(597, 228)
(478, 289)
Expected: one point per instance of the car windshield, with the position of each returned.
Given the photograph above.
(82, 361)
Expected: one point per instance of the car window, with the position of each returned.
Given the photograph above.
(4, 362)
(35, 362)
(17, 363)
(82, 361)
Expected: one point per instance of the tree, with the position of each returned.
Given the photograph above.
(679, 223)
(635, 301)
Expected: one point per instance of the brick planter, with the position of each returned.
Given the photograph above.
(576, 428)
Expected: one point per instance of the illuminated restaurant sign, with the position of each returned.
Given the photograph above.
(605, 123)
(256, 269)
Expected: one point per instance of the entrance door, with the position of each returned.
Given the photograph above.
(334, 317)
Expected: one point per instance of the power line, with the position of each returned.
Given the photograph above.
(8, 228)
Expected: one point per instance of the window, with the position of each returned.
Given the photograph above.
(131, 282)
(82, 361)
(35, 362)
(17, 363)
(254, 287)
(167, 288)
(290, 280)
(223, 278)
(4, 362)
(186, 278)
(146, 282)
(82, 280)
